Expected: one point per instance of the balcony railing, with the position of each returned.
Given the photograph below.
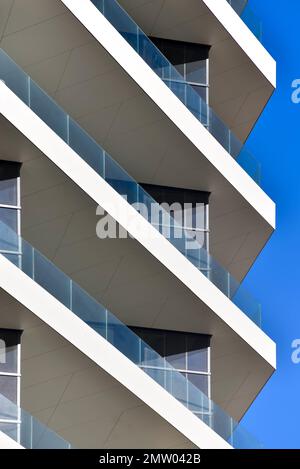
(130, 31)
(91, 152)
(27, 430)
(70, 294)
(242, 8)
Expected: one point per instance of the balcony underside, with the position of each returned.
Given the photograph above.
(59, 219)
(60, 54)
(239, 87)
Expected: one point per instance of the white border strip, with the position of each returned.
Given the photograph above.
(244, 37)
(28, 123)
(101, 352)
(166, 100)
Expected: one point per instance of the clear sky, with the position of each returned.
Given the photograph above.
(274, 417)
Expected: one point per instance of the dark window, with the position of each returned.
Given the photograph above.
(161, 351)
(9, 341)
(191, 60)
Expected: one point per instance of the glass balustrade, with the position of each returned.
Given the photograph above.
(91, 152)
(125, 25)
(242, 8)
(66, 291)
(27, 430)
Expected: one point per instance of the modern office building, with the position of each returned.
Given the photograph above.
(130, 213)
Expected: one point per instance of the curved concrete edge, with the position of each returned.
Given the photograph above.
(80, 335)
(165, 99)
(8, 443)
(28, 123)
(244, 37)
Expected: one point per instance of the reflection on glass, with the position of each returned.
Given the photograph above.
(8, 191)
(8, 357)
(176, 350)
(8, 241)
(199, 381)
(196, 72)
(8, 387)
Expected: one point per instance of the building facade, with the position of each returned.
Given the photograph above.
(130, 213)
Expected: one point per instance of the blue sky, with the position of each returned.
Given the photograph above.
(275, 278)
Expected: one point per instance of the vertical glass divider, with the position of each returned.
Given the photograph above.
(228, 285)
(29, 91)
(68, 129)
(104, 164)
(231, 431)
(137, 39)
(71, 294)
(31, 432)
(33, 263)
(106, 326)
(140, 352)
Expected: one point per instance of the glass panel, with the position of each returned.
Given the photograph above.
(199, 381)
(178, 386)
(14, 258)
(180, 68)
(159, 376)
(27, 258)
(9, 191)
(197, 357)
(198, 402)
(153, 343)
(86, 147)
(8, 229)
(238, 5)
(35, 435)
(201, 91)
(120, 181)
(29, 432)
(8, 387)
(89, 310)
(10, 429)
(8, 355)
(128, 29)
(8, 410)
(14, 77)
(196, 72)
(195, 217)
(176, 350)
(48, 111)
(123, 338)
(52, 279)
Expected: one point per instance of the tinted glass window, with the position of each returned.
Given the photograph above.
(176, 350)
(8, 387)
(8, 192)
(197, 72)
(200, 381)
(8, 357)
(201, 90)
(8, 229)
